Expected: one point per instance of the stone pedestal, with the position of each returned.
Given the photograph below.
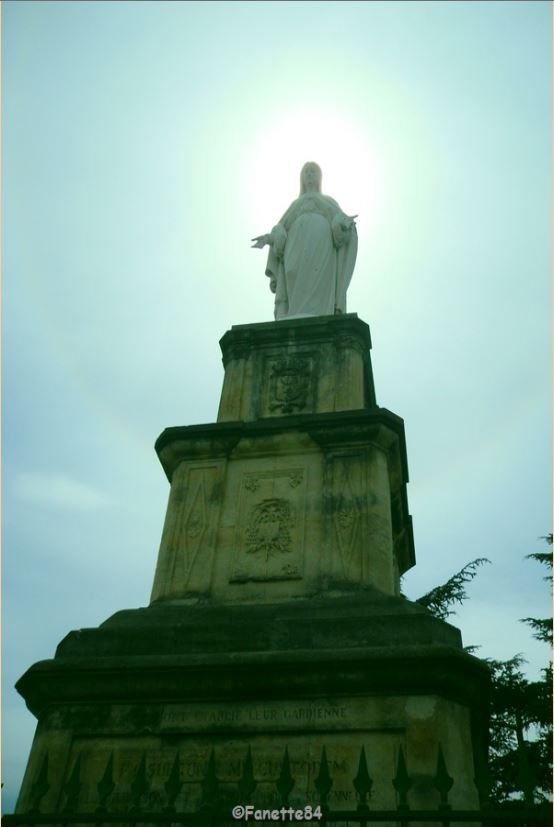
(299, 489)
(276, 652)
(314, 365)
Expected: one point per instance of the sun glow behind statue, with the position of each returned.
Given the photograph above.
(352, 167)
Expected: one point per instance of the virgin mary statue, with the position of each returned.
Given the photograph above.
(312, 252)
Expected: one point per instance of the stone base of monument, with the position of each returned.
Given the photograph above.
(277, 661)
(173, 706)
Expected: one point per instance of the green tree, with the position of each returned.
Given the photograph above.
(520, 751)
(441, 600)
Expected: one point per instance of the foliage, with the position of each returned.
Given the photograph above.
(440, 600)
(520, 751)
(542, 627)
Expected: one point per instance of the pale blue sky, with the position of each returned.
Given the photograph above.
(144, 144)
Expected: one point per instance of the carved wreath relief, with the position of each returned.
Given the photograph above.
(268, 531)
(270, 526)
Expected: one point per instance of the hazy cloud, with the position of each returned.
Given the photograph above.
(129, 209)
(57, 490)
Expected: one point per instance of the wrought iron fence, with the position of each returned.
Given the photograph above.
(219, 808)
(535, 816)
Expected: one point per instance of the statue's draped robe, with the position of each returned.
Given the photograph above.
(311, 258)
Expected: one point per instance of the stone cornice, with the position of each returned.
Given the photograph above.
(182, 442)
(346, 330)
(405, 670)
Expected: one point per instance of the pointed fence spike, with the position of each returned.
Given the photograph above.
(363, 783)
(285, 782)
(482, 780)
(247, 783)
(40, 786)
(323, 782)
(173, 784)
(210, 784)
(139, 785)
(442, 781)
(402, 782)
(73, 787)
(524, 774)
(106, 785)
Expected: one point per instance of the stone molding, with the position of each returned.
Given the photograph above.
(440, 670)
(346, 331)
(182, 442)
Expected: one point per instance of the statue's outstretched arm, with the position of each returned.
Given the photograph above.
(276, 239)
(261, 241)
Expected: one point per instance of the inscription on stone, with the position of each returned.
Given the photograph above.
(144, 769)
(277, 715)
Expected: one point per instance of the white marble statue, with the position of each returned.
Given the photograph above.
(312, 253)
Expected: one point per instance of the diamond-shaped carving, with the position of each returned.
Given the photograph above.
(195, 524)
(346, 516)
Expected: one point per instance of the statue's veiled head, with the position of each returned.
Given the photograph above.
(310, 178)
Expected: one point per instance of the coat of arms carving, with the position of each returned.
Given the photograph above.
(290, 381)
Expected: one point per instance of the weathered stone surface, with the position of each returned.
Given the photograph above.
(369, 619)
(371, 671)
(276, 641)
(299, 489)
(190, 735)
(295, 506)
(317, 365)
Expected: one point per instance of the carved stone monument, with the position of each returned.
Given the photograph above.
(277, 660)
(312, 253)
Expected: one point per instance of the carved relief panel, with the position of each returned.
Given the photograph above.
(347, 514)
(186, 553)
(357, 512)
(269, 538)
(347, 518)
(289, 384)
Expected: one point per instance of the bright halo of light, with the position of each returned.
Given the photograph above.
(352, 168)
